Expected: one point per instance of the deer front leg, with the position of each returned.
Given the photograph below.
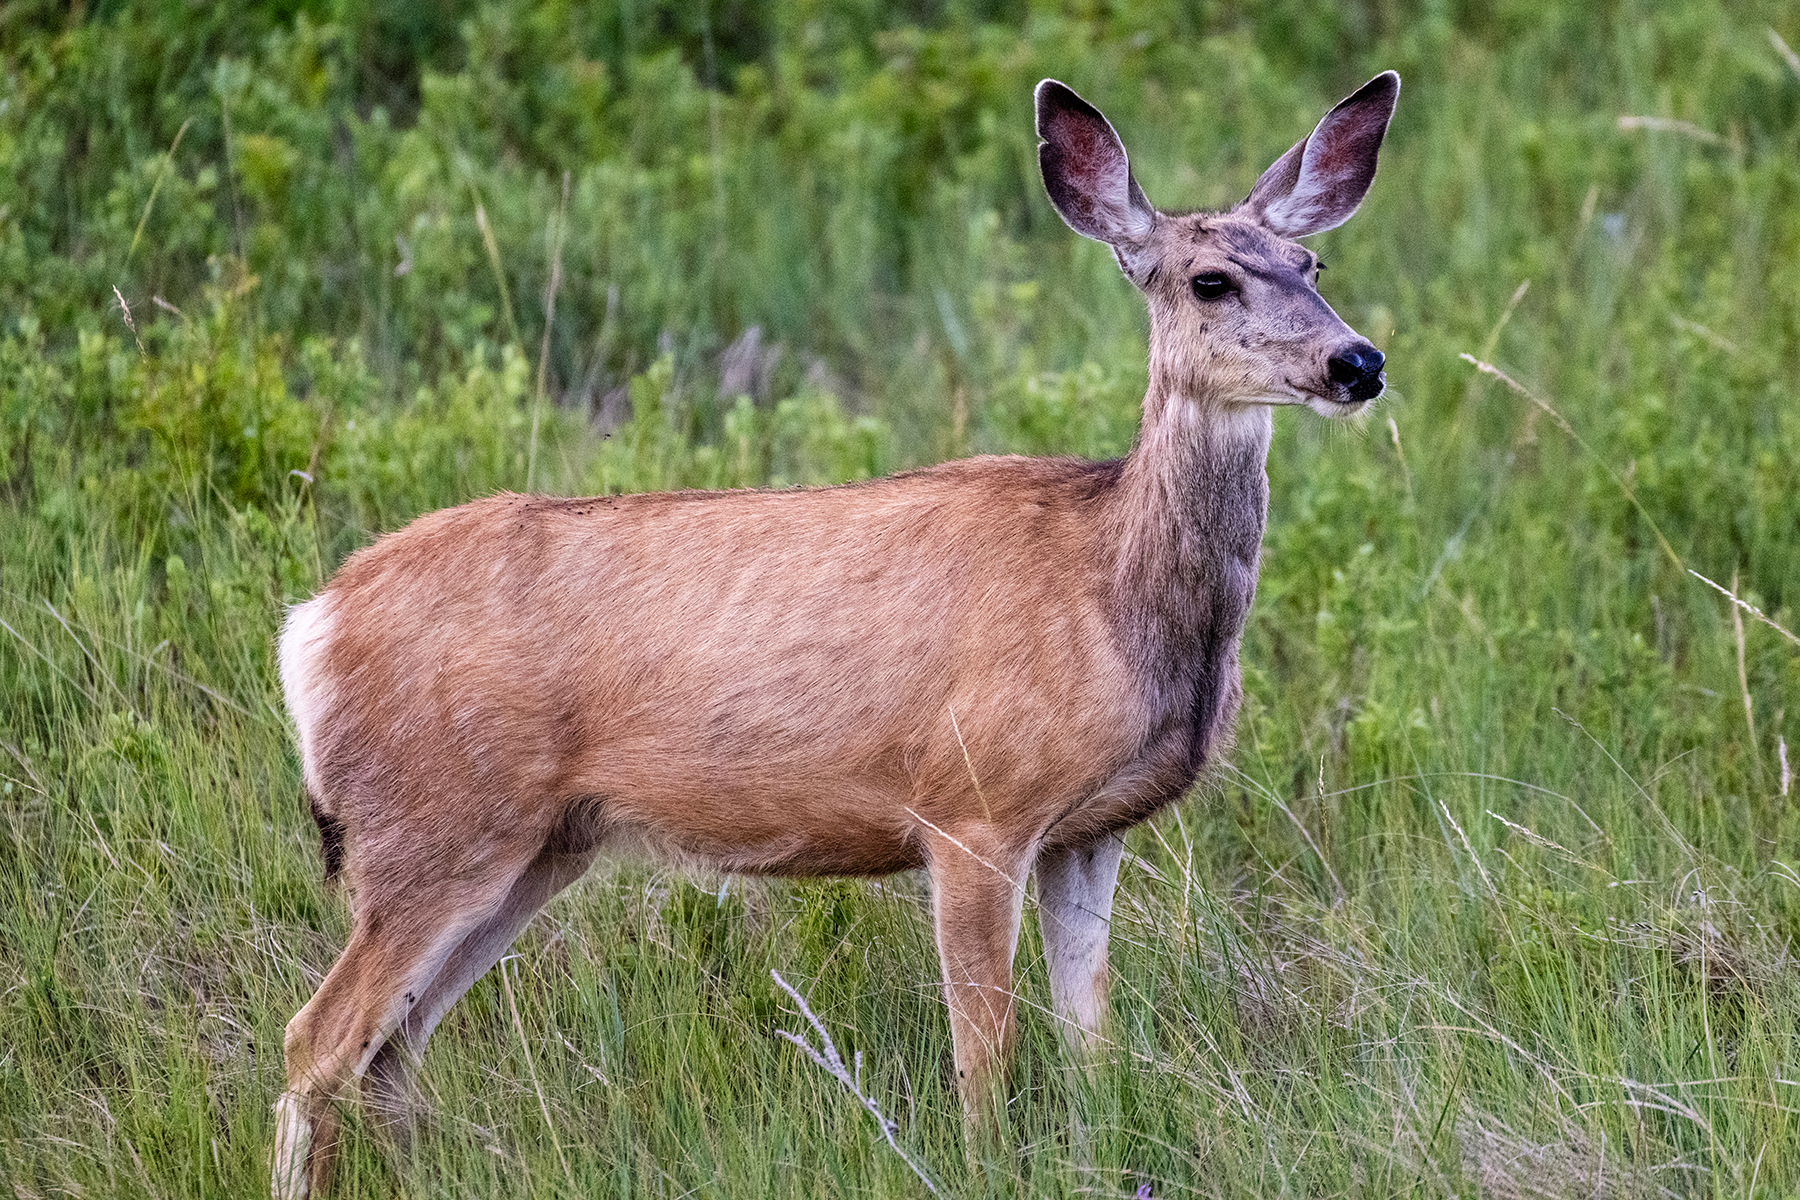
(976, 900)
(1075, 897)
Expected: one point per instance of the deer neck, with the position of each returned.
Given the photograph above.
(1192, 502)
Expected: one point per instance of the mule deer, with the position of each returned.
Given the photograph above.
(985, 668)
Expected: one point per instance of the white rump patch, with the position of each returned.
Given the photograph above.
(304, 639)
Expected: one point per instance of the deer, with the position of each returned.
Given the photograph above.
(987, 669)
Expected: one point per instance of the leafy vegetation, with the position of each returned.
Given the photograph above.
(1498, 892)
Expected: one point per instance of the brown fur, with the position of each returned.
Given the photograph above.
(968, 668)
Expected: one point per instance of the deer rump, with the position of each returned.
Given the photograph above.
(782, 682)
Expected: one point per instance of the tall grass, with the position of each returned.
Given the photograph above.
(1496, 894)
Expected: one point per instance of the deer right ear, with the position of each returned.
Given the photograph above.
(1088, 174)
(1319, 183)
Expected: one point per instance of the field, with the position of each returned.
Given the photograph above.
(1497, 894)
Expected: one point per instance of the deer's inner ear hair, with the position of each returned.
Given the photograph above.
(1212, 285)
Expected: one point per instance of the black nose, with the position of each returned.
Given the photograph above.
(1358, 368)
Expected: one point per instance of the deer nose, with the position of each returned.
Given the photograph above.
(1358, 369)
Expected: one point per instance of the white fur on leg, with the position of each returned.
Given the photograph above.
(1075, 897)
(293, 1141)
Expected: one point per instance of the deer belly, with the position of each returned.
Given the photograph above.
(796, 843)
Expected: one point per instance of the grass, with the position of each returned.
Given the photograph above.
(1497, 893)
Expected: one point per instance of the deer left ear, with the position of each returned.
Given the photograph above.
(1319, 183)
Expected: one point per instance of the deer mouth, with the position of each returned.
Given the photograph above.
(1339, 400)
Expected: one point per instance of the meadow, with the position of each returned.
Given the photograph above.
(1497, 894)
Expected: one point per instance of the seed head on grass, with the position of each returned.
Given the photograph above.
(130, 324)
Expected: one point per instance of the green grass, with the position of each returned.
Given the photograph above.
(1497, 893)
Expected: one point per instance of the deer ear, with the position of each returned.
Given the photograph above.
(1319, 183)
(1088, 174)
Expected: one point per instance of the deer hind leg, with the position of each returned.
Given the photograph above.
(399, 944)
(976, 901)
(1075, 898)
(387, 1089)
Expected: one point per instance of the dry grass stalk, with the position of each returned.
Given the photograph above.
(1270, 794)
(1506, 1166)
(1737, 631)
(550, 291)
(1405, 471)
(1754, 611)
(827, 1059)
(162, 173)
(530, 1066)
(1538, 839)
(1672, 125)
(1487, 368)
(1493, 337)
(130, 324)
(1486, 881)
(1787, 52)
(493, 256)
(1717, 341)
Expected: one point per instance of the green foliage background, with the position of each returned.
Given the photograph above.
(1497, 895)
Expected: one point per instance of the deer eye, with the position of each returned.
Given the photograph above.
(1212, 286)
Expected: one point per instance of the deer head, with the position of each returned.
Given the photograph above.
(1235, 313)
